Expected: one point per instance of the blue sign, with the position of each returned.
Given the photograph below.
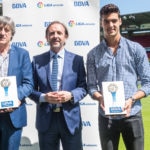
(7, 103)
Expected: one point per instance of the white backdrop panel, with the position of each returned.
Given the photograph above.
(82, 20)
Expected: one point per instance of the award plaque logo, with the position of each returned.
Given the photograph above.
(8, 90)
(112, 88)
(5, 83)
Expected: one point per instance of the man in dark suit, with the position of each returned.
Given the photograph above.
(58, 111)
(14, 61)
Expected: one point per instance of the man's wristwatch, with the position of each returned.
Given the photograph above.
(133, 100)
(72, 99)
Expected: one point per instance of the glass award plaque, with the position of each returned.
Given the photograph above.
(114, 98)
(8, 92)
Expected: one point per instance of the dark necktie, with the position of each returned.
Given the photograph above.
(54, 72)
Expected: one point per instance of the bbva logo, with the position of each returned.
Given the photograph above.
(81, 43)
(19, 44)
(86, 123)
(81, 3)
(19, 5)
(47, 23)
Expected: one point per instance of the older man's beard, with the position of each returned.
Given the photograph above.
(57, 47)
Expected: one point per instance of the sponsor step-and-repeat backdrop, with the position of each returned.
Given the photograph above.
(82, 20)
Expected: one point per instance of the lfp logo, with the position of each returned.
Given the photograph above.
(71, 23)
(40, 4)
(40, 44)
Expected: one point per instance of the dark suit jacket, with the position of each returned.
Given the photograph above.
(73, 79)
(20, 66)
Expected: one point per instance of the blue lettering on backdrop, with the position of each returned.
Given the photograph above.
(86, 123)
(53, 5)
(81, 43)
(46, 24)
(19, 5)
(89, 145)
(48, 5)
(88, 104)
(19, 44)
(23, 25)
(18, 25)
(81, 3)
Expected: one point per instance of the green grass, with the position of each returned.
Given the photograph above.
(146, 121)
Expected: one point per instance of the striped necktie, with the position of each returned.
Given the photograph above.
(54, 72)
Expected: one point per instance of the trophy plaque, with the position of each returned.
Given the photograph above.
(114, 98)
(8, 92)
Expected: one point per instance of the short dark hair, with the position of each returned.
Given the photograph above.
(57, 22)
(109, 8)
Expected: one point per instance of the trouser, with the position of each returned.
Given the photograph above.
(58, 131)
(131, 129)
(9, 135)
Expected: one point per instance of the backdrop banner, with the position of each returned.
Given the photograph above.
(82, 20)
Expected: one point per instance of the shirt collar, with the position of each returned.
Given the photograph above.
(60, 53)
(120, 42)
